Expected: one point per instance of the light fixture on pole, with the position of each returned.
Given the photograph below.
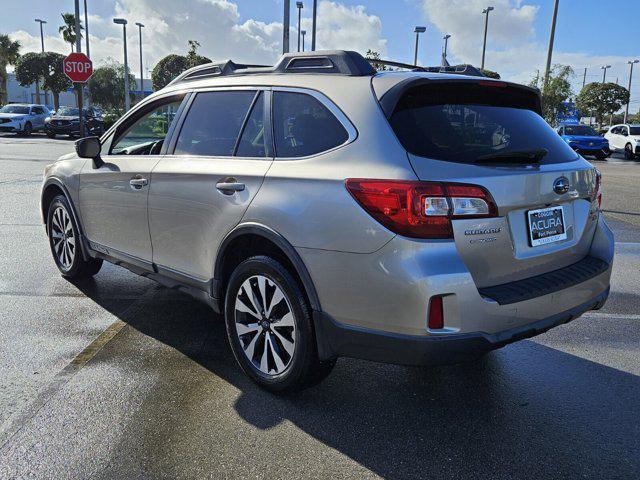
(446, 38)
(486, 26)
(626, 110)
(604, 72)
(299, 6)
(417, 31)
(303, 32)
(140, 27)
(127, 100)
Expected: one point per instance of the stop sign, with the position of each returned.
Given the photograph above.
(78, 67)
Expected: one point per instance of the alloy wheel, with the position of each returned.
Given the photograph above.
(265, 325)
(63, 238)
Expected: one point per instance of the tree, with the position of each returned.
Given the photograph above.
(9, 54)
(106, 86)
(68, 30)
(54, 77)
(30, 68)
(557, 91)
(173, 65)
(490, 73)
(373, 55)
(602, 99)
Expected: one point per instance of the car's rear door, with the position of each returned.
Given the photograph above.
(491, 134)
(113, 195)
(220, 154)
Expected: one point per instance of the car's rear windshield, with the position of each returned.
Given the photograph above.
(14, 109)
(470, 122)
(585, 130)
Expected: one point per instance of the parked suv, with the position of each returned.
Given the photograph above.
(584, 140)
(624, 138)
(22, 118)
(66, 121)
(327, 210)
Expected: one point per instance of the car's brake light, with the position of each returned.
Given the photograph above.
(597, 189)
(436, 314)
(421, 209)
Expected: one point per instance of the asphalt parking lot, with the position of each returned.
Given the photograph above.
(121, 378)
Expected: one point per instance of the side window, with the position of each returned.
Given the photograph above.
(252, 141)
(303, 126)
(37, 111)
(213, 123)
(146, 135)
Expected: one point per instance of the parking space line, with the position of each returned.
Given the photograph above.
(27, 412)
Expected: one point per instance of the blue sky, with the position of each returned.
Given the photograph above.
(589, 33)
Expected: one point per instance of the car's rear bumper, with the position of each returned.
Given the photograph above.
(339, 340)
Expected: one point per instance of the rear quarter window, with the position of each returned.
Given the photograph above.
(467, 122)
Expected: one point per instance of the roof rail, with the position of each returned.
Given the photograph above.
(464, 69)
(341, 62)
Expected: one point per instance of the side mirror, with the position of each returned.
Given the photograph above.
(89, 147)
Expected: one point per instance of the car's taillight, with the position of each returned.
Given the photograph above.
(436, 314)
(421, 209)
(597, 190)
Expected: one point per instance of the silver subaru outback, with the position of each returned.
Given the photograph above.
(328, 210)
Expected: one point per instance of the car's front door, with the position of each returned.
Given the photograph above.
(38, 115)
(113, 195)
(199, 193)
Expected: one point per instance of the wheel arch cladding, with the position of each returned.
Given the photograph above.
(254, 239)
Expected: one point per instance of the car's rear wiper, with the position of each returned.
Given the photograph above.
(515, 156)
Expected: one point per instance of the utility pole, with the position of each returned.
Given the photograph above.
(304, 32)
(300, 6)
(584, 77)
(46, 99)
(418, 31)
(313, 26)
(604, 72)
(79, 85)
(285, 30)
(626, 110)
(552, 35)
(86, 28)
(140, 27)
(486, 26)
(127, 99)
(446, 38)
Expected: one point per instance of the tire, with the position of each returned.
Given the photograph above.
(628, 152)
(282, 328)
(64, 240)
(51, 135)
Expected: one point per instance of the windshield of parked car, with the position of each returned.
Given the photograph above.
(585, 130)
(69, 112)
(14, 109)
(472, 123)
(634, 130)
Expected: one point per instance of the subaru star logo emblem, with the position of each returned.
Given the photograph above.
(561, 185)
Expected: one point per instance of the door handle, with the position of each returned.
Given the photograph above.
(138, 182)
(229, 186)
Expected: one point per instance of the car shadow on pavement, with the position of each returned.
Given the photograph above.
(521, 412)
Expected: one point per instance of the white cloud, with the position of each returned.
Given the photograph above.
(216, 25)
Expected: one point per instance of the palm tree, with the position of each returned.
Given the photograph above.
(68, 30)
(9, 53)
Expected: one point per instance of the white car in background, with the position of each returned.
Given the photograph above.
(625, 138)
(23, 118)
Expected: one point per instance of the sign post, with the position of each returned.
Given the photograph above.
(79, 68)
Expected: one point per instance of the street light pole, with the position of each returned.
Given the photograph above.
(285, 24)
(303, 32)
(444, 50)
(418, 31)
(552, 35)
(140, 27)
(46, 100)
(626, 110)
(486, 26)
(127, 100)
(604, 73)
(584, 77)
(79, 85)
(300, 6)
(313, 26)
(86, 27)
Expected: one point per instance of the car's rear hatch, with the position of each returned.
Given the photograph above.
(480, 132)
